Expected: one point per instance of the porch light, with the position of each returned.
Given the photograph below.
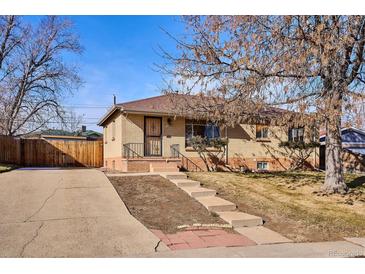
(169, 121)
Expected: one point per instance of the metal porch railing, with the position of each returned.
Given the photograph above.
(186, 163)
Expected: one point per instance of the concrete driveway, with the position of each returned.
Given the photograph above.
(67, 213)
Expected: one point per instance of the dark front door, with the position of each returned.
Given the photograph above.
(153, 136)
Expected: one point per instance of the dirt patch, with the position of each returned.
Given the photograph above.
(288, 205)
(159, 204)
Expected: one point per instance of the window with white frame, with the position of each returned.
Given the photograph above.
(262, 165)
(296, 134)
(262, 132)
(200, 128)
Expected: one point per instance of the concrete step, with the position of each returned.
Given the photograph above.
(173, 175)
(185, 183)
(262, 235)
(164, 169)
(240, 219)
(199, 191)
(164, 166)
(216, 204)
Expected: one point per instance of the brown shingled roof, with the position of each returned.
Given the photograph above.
(158, 104)
(163, 104)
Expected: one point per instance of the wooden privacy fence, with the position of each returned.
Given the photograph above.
(53, 153)
(9, 150)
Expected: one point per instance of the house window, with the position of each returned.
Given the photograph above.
(199, 128)
(106, 135)
(296, 134)
(113, 130)
(262, 165)
(262, 132)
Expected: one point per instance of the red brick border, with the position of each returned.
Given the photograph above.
(202, 238)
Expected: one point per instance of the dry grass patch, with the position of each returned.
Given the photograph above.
(6, 167)
(289, 203)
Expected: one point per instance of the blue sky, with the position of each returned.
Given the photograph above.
(118, 57)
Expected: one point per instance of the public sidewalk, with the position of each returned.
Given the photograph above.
(338, 249)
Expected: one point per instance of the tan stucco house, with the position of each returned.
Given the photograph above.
(145, 135)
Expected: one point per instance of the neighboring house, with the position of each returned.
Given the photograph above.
(144, 135)
(58, 134)
(353, 144)
(91, 135)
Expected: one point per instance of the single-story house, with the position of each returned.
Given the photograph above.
(145, 135)
(353, 144)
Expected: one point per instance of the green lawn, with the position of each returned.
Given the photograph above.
(289, 202)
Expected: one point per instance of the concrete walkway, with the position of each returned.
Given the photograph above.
(339, 249)
(67, 213)
(249, 226)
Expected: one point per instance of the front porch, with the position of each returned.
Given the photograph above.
(147, 164)
(147, 143)
(137, 157)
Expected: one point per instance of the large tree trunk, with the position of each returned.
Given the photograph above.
(334, 181)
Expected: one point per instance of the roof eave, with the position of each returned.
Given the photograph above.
(108, 114)
(46, 136)
(148, 112)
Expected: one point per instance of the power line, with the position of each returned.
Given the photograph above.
(53, 122)
(86, 118)
(86, 106)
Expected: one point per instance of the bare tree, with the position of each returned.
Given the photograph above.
(33, 74)
(355, 114)
(71, 121)
(308, 64)
(299, 153)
